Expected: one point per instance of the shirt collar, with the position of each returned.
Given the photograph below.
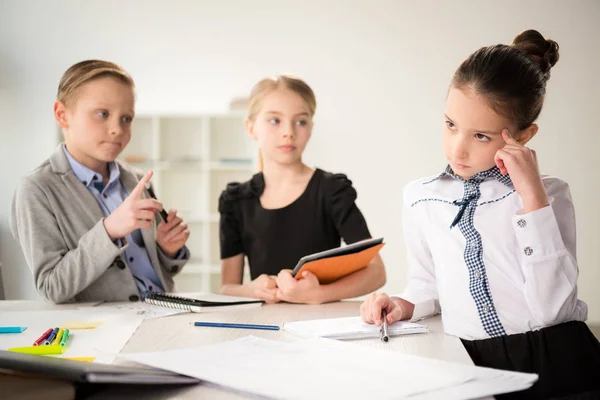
(492, 173)
(86, 175)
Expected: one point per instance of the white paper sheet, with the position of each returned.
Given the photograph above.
(312, 368)
(486, 382)
(104, 342)
(147, 311)
(348, 328)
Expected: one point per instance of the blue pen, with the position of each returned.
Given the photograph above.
(239, 326)
(51, 337)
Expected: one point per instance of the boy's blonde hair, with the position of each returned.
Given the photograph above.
(269, 85)
(86, 71)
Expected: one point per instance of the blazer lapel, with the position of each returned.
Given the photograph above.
(87, 201)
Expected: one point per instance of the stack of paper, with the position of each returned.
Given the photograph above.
(326, 369)
(349, 328)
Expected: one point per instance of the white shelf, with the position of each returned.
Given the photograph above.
(197, 268)
(202, 219)
(227, 166)
(196, 166)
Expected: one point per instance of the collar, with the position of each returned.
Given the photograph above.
(87, 176)
(492, 173)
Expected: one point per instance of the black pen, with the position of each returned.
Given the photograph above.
(163, 213)
(383, 332)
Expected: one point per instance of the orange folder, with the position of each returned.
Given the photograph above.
(329, 267)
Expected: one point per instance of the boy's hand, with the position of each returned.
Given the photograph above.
(134, 213)
(171, 236)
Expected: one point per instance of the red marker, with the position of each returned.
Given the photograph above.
(43, 337)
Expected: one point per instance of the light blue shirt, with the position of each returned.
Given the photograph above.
(109, 198)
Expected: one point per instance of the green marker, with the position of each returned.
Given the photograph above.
(65, 337)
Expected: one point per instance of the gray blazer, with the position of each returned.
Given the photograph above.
(59, 225)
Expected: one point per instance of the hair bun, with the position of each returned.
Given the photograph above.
(544, 52)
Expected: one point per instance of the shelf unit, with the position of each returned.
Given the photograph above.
(194, 157)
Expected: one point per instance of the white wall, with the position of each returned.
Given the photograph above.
(380, 70)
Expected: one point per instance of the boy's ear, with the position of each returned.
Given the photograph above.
(250, 128)
(60, 114)
(527, 134)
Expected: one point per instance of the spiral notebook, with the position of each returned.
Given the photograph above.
(200, 302)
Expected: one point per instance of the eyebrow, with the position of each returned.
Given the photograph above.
(476, 130)
(280, 113)
(107, 105)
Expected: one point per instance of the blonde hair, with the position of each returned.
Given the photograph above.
(86, 71)
(269, 85)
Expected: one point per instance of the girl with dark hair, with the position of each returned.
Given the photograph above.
(491, 242)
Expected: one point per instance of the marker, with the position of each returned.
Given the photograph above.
(41, 339)
(58, 337)
(163, 213)
(51, 337)
(65, 337)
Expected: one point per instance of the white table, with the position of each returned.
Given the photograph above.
(177, 331)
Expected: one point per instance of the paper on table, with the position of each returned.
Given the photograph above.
(147, 311)
(312, 368)
(323, 368)
(103, 342)
(348, 328)
(486, 382)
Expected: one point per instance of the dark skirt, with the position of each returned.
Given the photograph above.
(566, 357)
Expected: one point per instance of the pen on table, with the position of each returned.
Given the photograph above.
(383, 332)
(41, 339)
(163, 213)
(239, 326)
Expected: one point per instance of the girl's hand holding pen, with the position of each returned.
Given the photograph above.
(396, 309)
(134, 213)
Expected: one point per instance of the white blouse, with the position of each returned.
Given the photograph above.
(497, 271)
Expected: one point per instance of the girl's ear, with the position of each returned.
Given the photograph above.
(527, 134)
(250, 128)
(60, 114)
